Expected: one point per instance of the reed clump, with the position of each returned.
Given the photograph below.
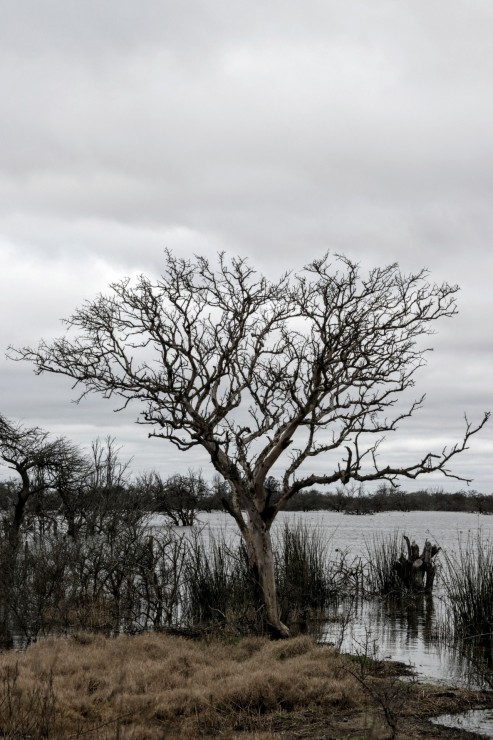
(382, 553)
(218, 588)
(468, 584)
(221, 591)
(306, 576)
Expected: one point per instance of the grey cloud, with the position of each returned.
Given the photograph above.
(273, 130)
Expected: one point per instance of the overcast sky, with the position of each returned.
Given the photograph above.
(272, 130)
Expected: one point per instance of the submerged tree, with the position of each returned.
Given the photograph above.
(263, 373)
(179, 497)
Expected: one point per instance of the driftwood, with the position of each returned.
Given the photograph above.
(417, 572)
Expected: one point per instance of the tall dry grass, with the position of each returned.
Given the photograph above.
(156, 686)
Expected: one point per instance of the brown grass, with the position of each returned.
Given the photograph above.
(157, 686)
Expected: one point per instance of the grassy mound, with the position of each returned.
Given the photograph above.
(158, 686)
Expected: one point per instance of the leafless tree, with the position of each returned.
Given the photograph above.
(108, 470)
(42, 463)
(104, 496)
(263, 373)
(179, 497)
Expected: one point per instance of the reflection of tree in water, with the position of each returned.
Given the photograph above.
(403, 619)
(415, 615)
(400, 620)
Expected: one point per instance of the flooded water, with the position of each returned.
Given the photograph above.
(404, 630)
(474, 720)
(349, 532)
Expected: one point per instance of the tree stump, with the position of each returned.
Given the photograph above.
(417, 572)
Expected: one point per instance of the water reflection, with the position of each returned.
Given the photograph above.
(413, 617)
(408, 629)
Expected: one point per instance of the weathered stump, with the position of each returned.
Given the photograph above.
(417, 572)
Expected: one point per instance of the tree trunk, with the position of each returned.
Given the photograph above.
(261, 557)
(417, 572)
(16, 523)
(69, 515)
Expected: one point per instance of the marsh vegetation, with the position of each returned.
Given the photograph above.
(123, 576)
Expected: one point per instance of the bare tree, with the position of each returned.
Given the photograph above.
(108, 471)
(263, 373)
(102, 494)
(178, 497)
(41, 462)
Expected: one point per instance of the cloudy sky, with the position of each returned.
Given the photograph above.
(274, 130)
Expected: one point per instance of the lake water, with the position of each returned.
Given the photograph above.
(402, 630)
(349, 532)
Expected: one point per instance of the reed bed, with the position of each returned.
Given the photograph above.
(220, 589)
(129, 579)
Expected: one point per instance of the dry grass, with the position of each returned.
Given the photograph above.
(157, 686)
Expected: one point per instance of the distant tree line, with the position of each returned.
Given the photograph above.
(345, 500)
(181, 497)
(353, 500)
